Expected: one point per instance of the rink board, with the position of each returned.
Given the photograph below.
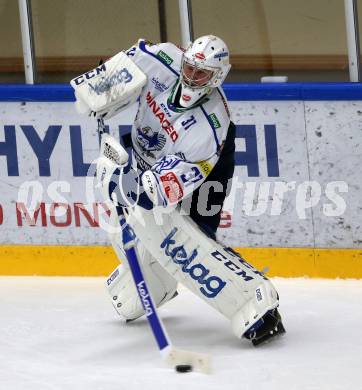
(309, 140)
(57, 260)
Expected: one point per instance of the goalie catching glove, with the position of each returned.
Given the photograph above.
(109, 88)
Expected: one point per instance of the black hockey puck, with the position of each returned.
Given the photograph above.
(183, 368)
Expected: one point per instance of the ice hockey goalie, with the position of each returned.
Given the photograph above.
(176, 180)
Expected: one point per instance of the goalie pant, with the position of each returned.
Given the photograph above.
(184, 254)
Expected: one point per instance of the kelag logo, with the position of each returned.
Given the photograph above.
(210, 285)
(43, 147)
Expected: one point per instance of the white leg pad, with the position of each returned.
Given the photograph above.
(214, 273)
(123, 292)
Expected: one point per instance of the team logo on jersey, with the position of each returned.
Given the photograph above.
(215, 122)
(211, 285)
(164, 57)
(200, 56)
(166, 163)
(150, 141)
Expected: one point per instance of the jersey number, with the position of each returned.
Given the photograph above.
(191, 177)
(188, 122)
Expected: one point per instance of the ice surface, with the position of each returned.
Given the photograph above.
(62, 333)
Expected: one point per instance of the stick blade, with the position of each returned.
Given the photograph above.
(198, 361)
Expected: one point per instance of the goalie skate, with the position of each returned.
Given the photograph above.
(268, 327)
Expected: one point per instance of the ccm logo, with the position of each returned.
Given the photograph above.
(112, 277)
(88, 75)
(258, 294)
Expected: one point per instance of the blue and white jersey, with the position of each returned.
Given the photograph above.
(180, 146)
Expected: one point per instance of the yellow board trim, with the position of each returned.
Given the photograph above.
(57, 260)
(310, 262)
(101, 260)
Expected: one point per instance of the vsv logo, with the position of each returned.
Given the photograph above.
(166, 163)
(210, 285)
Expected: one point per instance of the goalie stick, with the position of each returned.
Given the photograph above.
(181, 360)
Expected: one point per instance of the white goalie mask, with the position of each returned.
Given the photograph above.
(205, 65)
